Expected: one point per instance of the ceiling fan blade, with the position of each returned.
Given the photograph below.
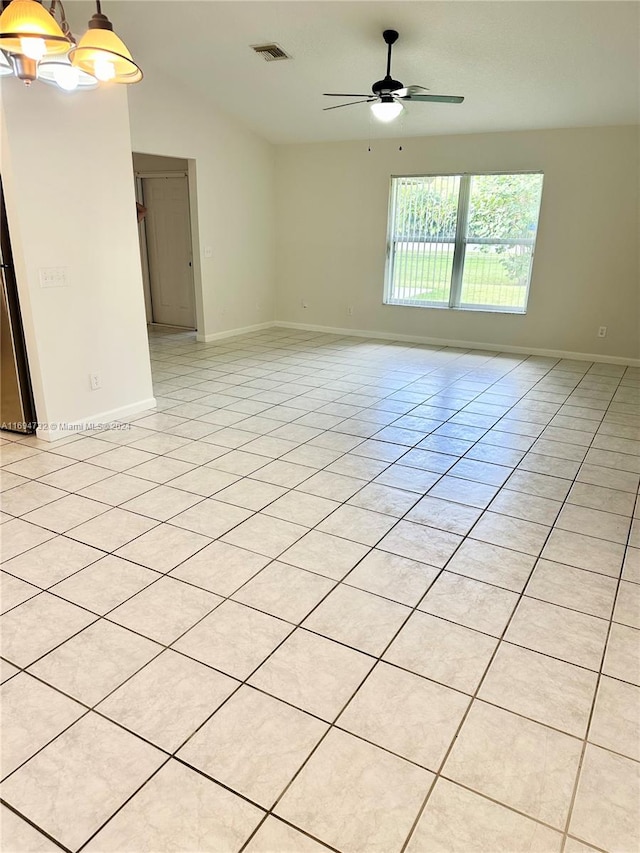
(342, 95)
(410, 90)
(434, 99)
(350, 104)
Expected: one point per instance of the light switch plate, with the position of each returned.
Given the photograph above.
(54, 277)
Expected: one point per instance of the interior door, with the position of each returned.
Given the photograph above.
(168, 230)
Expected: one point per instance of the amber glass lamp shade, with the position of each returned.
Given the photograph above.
(101, 53)
(27, 28)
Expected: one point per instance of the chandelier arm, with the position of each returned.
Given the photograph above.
(64, 25)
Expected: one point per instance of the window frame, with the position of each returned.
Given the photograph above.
(459, 243)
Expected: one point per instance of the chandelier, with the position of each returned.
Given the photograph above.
(37, 44)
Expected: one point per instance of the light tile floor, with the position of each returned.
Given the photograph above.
(333, 594)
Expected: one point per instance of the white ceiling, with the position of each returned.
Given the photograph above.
(520, 65)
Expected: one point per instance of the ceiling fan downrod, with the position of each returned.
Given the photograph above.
(388, 84)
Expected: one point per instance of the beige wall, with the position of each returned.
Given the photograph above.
(66, 170)
(332, 221)
(234, 174)
(152, 163)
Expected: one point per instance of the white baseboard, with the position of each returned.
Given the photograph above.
(64, 430)
(417, 339)
(231, 333)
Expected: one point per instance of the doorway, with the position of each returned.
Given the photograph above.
(166, 244)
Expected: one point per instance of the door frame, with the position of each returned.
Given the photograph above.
(196, 269)
(13, 338)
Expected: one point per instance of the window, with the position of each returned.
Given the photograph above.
(462, 241)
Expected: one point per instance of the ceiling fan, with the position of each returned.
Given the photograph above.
(388, 94)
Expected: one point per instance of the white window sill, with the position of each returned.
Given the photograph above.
(479, 309)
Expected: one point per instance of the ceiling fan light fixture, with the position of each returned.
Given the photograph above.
(102, 54)
(28, 29)
(387, 109)
(388, 94)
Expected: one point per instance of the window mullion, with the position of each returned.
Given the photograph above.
(391, 240)
(462, 219)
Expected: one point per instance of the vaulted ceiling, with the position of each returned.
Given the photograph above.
(519, 64)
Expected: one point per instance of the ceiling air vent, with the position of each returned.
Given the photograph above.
(270, 52)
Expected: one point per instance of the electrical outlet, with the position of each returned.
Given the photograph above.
(350, 310)
(208, 251)
(602, 332)
(94, 381)
(53, 277)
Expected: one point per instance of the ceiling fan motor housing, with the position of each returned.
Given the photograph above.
(386, 86)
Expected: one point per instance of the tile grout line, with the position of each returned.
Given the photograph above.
(439, 773)
(414, 609)
(343, 502)
(600, 674)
